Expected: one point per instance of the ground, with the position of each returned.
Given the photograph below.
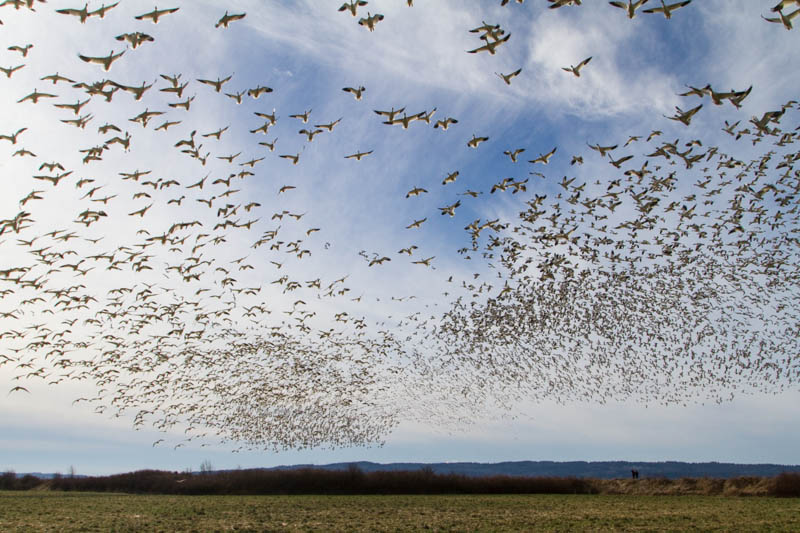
(59, 511)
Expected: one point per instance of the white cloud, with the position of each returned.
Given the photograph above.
(415, 58)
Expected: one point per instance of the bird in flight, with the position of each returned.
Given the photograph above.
(475, 141)
(217, 85)
(783, 18)
(270, 145)
(618, 162)
(450, 178)
(685, 117)
(352, 6)
(329, 126)
(450, 209)
(102, 10)
(135, 38)
(12, 136)
(357, 92)
(302, 116)
(293, 158)
(357, 156)
(227, 19)
(55, 78)
(35, 95)
(667, 9)
(507, 77)
(21, 49)
(156, 13)
(444, 124)
(416, 191)
(258, 91)
(603, 150)
(377, 261)
(630, 7)
(106, 61)
(576, 69)
(513, 154)
(490, 46)
(389, 114)
(370, 20)
(10, 70)
(82, 14)
(310, 133)
(544, 158)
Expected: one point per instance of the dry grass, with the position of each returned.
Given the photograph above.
(740, 486)
(60, 511)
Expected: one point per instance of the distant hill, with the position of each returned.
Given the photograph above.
(41, 475)
(581, 469)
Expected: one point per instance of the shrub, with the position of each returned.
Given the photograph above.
(787, 484)
(8, 480)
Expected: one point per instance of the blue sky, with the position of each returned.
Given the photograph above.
(415, 59)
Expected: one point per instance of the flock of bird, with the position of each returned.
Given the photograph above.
(676, 274)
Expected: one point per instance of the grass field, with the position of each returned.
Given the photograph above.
(64, 511)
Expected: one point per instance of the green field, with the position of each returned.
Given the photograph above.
(59, 511)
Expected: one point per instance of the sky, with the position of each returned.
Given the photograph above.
(364, 367)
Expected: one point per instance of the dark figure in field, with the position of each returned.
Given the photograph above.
(635, 474)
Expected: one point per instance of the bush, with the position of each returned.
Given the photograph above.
(8, 480)
(787, 484)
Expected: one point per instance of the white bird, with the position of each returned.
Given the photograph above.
(217, 85)
(357, 92)
(370, 21)
(576, 69)
(155, 14)
(450, 209)
(106, 61)
(135, 38)
(357, 156)
(21, 49)
(667, 9)
(353, 6)
(227, 19)
(475, 141)
(11, 70)
(544, 158)
(82, 14)
(490, 46)
(507, 77)
(444, 124)
(784, 19)
(302, 116)
(102, 10)
(630, 8)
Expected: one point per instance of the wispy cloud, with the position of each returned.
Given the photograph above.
(346, 213)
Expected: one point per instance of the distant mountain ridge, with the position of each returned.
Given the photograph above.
(579, 469)
(587, 469)
(51, 475)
